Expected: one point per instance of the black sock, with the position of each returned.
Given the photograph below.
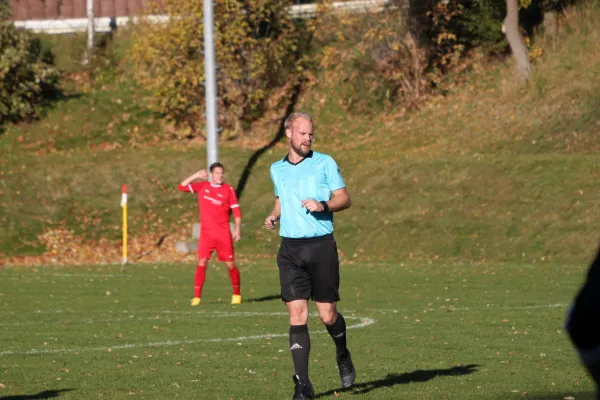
(300, 348)
(337, 332)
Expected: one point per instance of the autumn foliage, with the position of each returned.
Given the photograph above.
(255, 42)
(27, 79)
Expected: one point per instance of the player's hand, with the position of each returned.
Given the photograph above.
(202, 174)
(312, 205)
(237, 236)
(270, 222)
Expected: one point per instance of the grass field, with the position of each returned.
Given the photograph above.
(472, 224)
(417, 331)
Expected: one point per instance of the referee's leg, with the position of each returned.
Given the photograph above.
(295, 292)
(325, 279)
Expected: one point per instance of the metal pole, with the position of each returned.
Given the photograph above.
(212, 140)
(90, 31)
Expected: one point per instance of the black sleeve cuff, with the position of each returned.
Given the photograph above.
(325, 206)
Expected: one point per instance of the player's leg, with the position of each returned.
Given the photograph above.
(226, 254)
(205, 249)
(582, 326)
(234, 277)
(583, 323)
(325, 280)
(295, 292)
(199, 279)
(594, 370)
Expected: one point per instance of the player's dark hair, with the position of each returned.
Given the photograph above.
(216, 165)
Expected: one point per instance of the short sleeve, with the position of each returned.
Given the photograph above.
(334, 176)
(274, 183)
(233, 200)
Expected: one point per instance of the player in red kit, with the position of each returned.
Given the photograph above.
(216, 200)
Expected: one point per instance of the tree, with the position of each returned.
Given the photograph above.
(255, 43)
(513, 35)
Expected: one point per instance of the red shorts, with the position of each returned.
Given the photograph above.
(219, 241)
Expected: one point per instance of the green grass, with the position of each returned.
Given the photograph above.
(471, 226)
(535, 208)
(437, 331)
(494, 171)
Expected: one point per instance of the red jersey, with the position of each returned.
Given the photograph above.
(215, 203)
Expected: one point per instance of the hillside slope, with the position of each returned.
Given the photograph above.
(494, 171)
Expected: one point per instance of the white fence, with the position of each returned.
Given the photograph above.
(106, 24)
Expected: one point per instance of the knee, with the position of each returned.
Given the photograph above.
(328, 317)
(298, 316)
(230, 265)
(202, 262)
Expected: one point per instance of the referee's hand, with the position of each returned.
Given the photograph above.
(312, 205)
(270, 222)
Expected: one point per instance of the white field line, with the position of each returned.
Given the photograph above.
(364, 322)
(245, 313)
(222, 314)
(451, 308)
(67, 275)
(92, 275)
(131, 317)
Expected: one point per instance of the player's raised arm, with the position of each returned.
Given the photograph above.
(185, 185)
(274, 216)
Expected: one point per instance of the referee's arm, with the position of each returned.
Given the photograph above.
(274, 216)
(340, 200)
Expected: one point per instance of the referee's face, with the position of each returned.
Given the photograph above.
(301, 136)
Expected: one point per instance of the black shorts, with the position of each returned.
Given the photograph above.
(309, 269)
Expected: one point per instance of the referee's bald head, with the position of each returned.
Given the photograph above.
(289, 121)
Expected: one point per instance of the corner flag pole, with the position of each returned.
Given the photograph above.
(210, 86)
(124, 206)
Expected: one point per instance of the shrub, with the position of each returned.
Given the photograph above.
(255, 42)
(369, 60)
(26, 78)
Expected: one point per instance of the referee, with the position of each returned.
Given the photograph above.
(308, 190)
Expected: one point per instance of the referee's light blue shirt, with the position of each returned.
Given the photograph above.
(315, 177)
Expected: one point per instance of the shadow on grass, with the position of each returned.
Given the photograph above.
(51, 97)
(280, 134)
(403, 379)
(265, 298)
(550, 396)
(46, 394)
